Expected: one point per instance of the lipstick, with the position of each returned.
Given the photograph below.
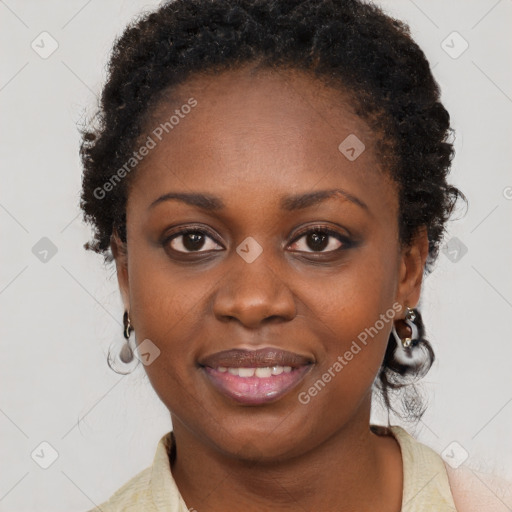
(255, 377)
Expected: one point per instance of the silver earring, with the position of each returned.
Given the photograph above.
(410, 317)
(413, 355)
(126, 353)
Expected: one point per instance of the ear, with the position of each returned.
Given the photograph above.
(412, 264)
(121, 258)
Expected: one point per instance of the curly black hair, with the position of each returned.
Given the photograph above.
(348, 44)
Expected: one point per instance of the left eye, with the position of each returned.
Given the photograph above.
(320, 239)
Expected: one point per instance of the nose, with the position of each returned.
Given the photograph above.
(253, 294)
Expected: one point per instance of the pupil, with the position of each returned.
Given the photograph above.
(193, 241)
(317, 242)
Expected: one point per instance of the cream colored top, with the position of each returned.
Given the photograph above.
(426, 486)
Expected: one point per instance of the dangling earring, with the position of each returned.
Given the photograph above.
(411, 316)
(412, 356)
(126, 354)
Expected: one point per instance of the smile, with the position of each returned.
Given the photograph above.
(255, 377)
(261, 373)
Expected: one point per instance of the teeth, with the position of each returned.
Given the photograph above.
(277, 370)
(262, 373)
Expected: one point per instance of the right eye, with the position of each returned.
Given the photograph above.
(191, 240)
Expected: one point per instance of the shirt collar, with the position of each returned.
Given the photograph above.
(164, 491)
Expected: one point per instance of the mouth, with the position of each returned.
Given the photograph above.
(255, 377)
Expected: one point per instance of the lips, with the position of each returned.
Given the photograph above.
(239, 358)
(255, 377)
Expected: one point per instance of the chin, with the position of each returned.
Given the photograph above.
(262, 439)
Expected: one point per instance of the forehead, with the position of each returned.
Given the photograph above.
(263, 131)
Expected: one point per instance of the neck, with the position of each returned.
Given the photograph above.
(353, 469)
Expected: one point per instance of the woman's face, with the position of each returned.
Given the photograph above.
(310, 281)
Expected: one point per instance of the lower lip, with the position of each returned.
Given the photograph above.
(256, 390)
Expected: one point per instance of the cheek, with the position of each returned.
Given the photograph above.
(162, 296)
(353, 314)
(166, 306)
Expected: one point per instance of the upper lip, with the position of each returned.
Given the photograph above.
(260, 358)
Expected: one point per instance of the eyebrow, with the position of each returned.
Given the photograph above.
(295, 202)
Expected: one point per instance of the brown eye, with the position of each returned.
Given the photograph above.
(191, 240)
(320, 239)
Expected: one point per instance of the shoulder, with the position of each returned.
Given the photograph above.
(464, 488)
(131, 497)
(151, 490)
(473, 491)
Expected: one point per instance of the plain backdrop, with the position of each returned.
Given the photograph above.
(61, 310)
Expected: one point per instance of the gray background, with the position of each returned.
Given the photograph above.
(59, 316)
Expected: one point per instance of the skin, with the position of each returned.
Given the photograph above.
(251, 139)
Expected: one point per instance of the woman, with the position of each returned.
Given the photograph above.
(270, 179)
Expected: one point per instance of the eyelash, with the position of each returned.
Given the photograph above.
(346, 242)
